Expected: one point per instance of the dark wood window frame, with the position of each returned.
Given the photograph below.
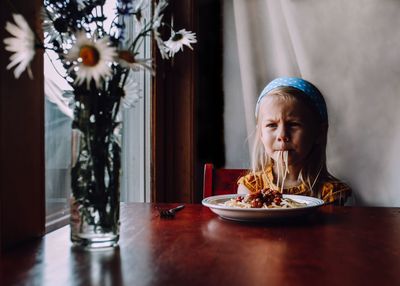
(174, 161)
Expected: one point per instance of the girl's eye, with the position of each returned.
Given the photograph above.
(294, 124)
(271, 125)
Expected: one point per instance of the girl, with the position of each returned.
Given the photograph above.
(290, 144)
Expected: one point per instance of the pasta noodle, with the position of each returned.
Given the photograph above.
(286, 203)
(265, 199)
(282, 168)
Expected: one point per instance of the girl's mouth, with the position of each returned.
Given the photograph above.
(283, 147)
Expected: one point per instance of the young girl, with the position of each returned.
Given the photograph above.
(290, 145)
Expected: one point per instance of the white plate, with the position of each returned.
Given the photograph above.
(258, 214)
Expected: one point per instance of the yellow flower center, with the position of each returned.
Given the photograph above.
(126, 56)
(90, 55)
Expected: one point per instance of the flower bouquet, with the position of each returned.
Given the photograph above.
(97, 57)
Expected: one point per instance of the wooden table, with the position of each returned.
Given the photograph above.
(336, 246)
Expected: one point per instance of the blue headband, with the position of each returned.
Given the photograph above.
(306, 87)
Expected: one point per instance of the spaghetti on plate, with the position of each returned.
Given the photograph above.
(266, 198)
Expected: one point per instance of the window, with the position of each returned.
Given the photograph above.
(58, 120)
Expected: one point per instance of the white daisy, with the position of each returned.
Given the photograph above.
(157, 21)
(132, 92)
(22, 45)
(178, 40)
(157, 16)
(127, 59)
(161, 45)
(91, 59)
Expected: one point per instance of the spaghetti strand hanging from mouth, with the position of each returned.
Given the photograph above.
(278, 163)
(282, 169)
(285, 168)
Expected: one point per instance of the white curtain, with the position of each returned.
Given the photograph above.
(351, 51)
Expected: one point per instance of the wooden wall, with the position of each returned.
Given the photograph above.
(22, 197)
(173, 119)
(187, 106)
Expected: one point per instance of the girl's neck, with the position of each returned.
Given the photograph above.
(291, 179)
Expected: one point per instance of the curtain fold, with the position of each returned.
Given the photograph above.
(246, 62)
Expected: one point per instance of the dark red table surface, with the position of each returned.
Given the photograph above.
(334, 246)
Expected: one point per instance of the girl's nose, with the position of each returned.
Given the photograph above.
(283, 138)
(282, 135)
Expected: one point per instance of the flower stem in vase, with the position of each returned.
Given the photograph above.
(95, 173)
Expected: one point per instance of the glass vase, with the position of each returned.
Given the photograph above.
(95, 172)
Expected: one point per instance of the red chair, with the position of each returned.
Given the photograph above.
(220, 181)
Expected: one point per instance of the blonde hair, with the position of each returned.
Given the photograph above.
(315, 165)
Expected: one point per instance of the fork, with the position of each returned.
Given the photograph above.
(170, 213)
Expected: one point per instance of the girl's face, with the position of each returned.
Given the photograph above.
(287, 124)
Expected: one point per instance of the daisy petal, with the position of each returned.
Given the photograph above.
(22, 44)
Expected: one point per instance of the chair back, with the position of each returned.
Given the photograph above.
(220, 181)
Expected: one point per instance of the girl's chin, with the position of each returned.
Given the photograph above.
(290, 162)
(291, 159)
(286, 150)
(281, 155)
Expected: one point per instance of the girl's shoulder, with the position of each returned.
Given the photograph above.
(249, 177)
(252, 176)
(335, 191)
(334, 184)
(254, 180)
